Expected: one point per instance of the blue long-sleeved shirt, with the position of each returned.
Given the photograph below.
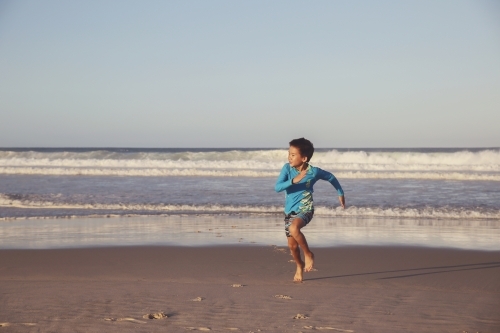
(298, 197)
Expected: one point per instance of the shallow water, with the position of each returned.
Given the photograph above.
(51, 196)
(192, 230)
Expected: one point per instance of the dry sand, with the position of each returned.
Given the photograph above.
(248, 289)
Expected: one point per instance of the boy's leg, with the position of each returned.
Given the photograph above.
(299, 238)
(295, 251)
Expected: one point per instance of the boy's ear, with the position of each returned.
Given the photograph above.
(304, 159)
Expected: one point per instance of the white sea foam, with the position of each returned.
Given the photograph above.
(158, 172)
(461, 165)
(352, 211)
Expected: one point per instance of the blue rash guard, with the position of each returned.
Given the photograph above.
(298, 197)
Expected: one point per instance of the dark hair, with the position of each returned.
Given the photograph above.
(305, 147)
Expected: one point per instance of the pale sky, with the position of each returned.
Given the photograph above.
(249, 73)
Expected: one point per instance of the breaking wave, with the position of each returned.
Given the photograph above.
(122, 209)
(158, 172)
(458, 165)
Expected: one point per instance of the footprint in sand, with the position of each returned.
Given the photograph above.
(327, 328)
(197, 299)
(333, 328)
(282, 296)
(10, 324)
(126, 319)
(237, 285)
(300, 316)
(157, 315)
(198, 328)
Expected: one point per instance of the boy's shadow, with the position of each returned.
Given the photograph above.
(423, 271)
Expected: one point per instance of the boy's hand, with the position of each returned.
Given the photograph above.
(342, 201)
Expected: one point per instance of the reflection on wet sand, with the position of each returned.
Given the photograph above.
(191, 230)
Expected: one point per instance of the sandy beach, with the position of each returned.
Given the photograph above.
(249, 289)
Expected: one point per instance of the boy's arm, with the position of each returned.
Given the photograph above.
(329, 177)
(283, 181)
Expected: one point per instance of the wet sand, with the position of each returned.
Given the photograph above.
(249, 289)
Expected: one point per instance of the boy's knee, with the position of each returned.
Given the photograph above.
(293, 246)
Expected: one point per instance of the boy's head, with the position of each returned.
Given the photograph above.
(304, 146)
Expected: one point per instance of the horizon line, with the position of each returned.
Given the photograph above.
(236, 148)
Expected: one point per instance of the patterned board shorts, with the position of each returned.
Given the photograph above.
(304, 216)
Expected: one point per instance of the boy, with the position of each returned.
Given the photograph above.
(297, 178)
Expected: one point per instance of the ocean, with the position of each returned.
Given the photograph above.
(427, 185)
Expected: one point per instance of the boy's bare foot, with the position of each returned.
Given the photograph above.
(299, 275)
(309, 262)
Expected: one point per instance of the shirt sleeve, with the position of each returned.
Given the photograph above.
(329, 177)
(283, 182)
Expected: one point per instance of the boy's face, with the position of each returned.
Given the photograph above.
(295, 158)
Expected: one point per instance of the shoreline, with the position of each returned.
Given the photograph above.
(205, 230)
(354, 289)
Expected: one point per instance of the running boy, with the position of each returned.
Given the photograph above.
(297, 178)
